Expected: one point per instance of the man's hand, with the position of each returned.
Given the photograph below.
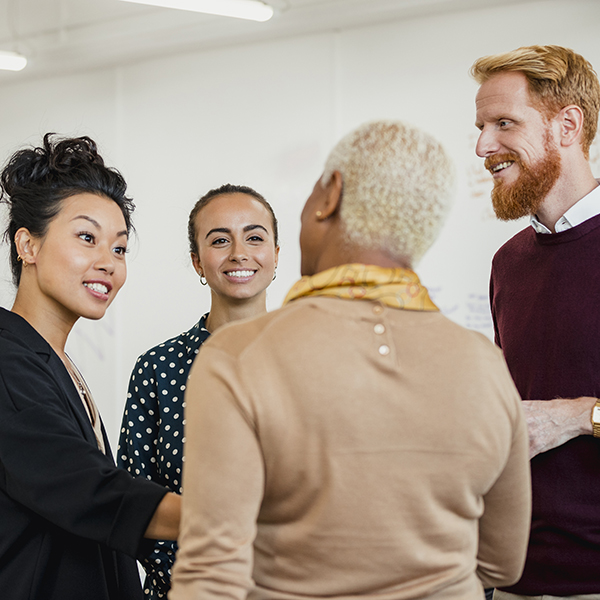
(552, 423)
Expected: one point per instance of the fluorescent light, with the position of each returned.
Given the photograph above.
(11, 61)
(254, 10)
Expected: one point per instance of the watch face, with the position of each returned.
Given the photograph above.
(596, 414)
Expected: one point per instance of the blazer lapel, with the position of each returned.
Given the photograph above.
(31, 339)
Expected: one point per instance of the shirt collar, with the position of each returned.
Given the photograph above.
(582, 210)
(202, 323)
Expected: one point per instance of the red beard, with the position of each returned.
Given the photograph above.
(526, 194)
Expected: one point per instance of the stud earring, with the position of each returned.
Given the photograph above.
(318, 214)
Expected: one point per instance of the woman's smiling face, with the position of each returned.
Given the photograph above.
(79, 264)
(236, 247)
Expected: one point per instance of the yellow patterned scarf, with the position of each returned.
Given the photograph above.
(398, 288)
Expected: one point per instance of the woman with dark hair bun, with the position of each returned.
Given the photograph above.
(234, 246)
(71, 522)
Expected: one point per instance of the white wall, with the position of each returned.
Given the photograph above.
(266, 115)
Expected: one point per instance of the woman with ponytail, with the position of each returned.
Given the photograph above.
(233, 240)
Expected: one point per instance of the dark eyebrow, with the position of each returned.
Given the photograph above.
(253, 227)
(97, 225)
(92, 221)
(218, 230)
(226, 230)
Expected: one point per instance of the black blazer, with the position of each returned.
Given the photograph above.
(70, 520)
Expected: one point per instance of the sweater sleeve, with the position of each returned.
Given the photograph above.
(222, 485)
(138, 454)
(51, 469)
(504, 526)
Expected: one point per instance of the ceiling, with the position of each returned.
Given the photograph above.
(64, 36)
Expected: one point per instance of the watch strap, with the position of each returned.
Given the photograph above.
(596, 419)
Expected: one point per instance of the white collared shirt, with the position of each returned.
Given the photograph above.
(582, 210)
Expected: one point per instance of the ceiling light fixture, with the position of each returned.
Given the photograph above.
(12, 61)
(254, 10)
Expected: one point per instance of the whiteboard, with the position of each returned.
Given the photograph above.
(266, 115)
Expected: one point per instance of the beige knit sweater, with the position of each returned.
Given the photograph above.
(340, 448)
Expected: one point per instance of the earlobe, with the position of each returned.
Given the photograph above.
(26, 246)
(571, 125)
(276, 256)
(196, 263)
(333, 196)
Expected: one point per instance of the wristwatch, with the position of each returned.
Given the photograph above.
(596, 419)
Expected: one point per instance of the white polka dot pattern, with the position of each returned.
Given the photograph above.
(151, 440)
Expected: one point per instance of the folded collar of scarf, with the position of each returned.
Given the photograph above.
(397, 287)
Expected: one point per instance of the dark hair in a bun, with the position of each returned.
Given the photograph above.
(35, 181)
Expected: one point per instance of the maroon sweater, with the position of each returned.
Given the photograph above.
(545, 296)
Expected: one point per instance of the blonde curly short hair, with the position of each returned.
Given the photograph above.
(398, 186)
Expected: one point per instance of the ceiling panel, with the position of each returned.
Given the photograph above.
(62, 36)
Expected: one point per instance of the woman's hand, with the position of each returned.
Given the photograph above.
(164, 524)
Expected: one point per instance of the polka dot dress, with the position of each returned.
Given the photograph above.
(151, 440)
